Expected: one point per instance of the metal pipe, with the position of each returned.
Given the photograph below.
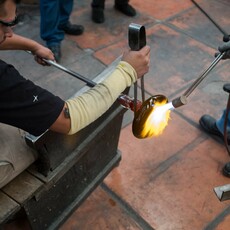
(182, 100)
(72, 73)
(203, 75)
(179, 101)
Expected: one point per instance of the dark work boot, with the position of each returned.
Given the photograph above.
(98, 14)
(72, 29)
(56, 49)
(125, 9)
(208, 123)
(226, 170)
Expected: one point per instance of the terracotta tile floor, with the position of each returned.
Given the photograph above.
(165, 182)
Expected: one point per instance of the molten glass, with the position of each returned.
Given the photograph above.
(152, 118)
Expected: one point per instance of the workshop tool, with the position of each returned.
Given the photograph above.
(142, 126)
(148, 120)
(137, 40)
(182, 100)
(152, 117)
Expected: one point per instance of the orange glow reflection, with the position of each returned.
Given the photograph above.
(152, 118)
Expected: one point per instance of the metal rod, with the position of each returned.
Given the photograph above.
(209, 17)
(135, 97)
(143, 89)
(203, 75)
(74, 74)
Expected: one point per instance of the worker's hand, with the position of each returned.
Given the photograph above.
(139, 60)
(42, 53)
(225, 48)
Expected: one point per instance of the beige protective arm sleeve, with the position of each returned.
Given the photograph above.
(89, 106)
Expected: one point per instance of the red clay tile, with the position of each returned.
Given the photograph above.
(113, 30)
(161, 9)
(224, 224)
(176, 60)
(99, 212)
(207, 31)
(168, 183)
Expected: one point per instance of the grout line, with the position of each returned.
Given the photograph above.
(179, 30)
(127, 208)
(219, 219)
(174, 158)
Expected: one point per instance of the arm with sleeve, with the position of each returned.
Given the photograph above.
(87, 107)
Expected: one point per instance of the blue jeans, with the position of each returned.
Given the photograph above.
(53, 14)
(220, 122)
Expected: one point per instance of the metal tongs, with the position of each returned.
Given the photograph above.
(137, 40)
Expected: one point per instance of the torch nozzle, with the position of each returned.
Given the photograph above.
(179, 101)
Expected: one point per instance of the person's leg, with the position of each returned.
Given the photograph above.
(220, 122)
(49, 31)
(66, 7)
(220, 126)
(98, 11)
(98, 3)
(124, 7)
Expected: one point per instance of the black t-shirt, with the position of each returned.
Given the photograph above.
(24, 104)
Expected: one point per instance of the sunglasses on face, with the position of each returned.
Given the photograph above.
(10, 24)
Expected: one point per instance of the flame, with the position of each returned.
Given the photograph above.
(152, 118)
(157, 119)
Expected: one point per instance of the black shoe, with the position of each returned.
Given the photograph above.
(56, 49)
(98, 14)
(126, 9)
(72, 29)
(226, 170)
(208, 123)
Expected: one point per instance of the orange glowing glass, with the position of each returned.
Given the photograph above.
(152, 118)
